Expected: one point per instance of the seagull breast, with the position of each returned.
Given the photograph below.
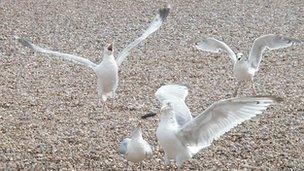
(107, 76)
(242, 71)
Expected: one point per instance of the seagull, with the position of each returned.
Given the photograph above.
(107, 70)
(182, 141)
(245, 68)
(135, 149)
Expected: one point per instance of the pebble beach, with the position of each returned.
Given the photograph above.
(49, 118)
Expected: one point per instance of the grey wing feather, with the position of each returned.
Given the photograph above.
(220, 118)
(155, 25)
(123, 146)
(270, 42)
(176, 95)
(215, 46)
(65, 56)
(171, 91)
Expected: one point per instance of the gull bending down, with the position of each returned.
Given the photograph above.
(181, 141)
(107, 70)
(245, 68)
(135, 149)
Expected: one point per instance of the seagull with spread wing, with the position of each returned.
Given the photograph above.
(245, 68)
(135, 149)
(107, 70)
(182, 140)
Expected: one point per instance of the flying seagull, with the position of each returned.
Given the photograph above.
(135, 149)
(181, 141)
(107, 70)
(245, 68)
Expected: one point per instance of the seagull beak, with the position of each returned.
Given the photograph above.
(110, 47)
(149, 114)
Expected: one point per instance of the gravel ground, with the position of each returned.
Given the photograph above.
(49, 118)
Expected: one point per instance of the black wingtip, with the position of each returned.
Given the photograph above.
(147, 115)
(274, 98)
(110, 47)
(164, 12)
(278, 99)
(24, 42)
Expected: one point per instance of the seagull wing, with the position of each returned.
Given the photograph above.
(219, 118)
(271, 42)
(65, 56)
(176, 95)
(155, 25)
(148, 149)
(123, 146)
(216, 46)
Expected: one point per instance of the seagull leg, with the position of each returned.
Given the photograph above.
(104, 103)
(100, 103)
(113, 99)
(104, 107)
(127, 165)
(253, 88)
(239, 83)
(179, 167)
(167, 161)
(141, 166)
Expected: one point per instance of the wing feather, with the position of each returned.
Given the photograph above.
(176, 95)
(155, 25)
(270, 42)
(73, 58)
(123, 146)
(215, 46)
(220, 118)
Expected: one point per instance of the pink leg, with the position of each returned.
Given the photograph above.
(239, 83)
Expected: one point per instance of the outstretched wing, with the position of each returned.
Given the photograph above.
(271, 42)
(215, 46)
(156, 23)
(176, 95)
(220, 118)
(65, 56)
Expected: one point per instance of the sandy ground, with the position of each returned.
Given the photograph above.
(48, 113)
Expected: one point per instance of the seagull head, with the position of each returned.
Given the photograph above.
(239, 56)
(137, 131)
(109, 49)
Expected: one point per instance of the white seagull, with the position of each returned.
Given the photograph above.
(245, 68)
(181, 141)
(107, 70)
(135, 149)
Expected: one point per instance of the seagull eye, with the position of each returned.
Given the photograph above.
(239, 59)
